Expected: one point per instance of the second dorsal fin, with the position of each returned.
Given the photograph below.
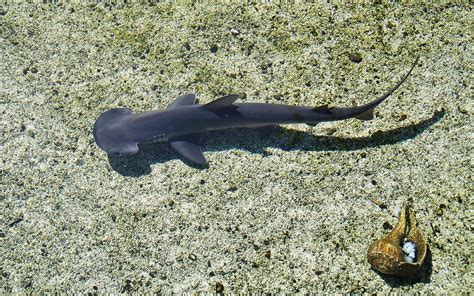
(221, 102)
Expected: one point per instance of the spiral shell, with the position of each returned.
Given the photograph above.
(390, 254)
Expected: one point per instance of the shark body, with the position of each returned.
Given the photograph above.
(118, 131)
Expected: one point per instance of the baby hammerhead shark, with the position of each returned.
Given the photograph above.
(118, 131)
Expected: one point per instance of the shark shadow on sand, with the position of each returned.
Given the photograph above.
(285, 139)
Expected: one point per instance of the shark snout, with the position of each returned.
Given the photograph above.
(109, 133)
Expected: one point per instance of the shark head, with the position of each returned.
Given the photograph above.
(109, 133)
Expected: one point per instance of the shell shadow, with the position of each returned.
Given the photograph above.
(250, 140)
(423, 276)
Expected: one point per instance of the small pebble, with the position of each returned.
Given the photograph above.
(402, 117)
(219, 287)
(355, 57)
(462, 109)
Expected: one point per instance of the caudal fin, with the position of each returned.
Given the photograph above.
(364, 112)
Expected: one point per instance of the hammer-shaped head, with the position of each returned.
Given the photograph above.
(109, 133)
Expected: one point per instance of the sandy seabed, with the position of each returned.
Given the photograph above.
(294, 212)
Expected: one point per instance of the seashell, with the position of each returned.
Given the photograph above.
(403, 251)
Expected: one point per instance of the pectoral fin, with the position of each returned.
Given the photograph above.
(188, 147)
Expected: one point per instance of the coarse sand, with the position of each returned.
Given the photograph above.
(291, 213)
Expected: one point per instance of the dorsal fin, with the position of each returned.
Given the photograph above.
(221, 102)
(188, 99)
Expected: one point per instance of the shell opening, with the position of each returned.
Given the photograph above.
(409, 250)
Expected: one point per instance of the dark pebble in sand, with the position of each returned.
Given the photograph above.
(355, 57)
(219, 287)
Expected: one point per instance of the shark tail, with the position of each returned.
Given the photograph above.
(364, 112)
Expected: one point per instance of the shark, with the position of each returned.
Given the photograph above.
(118, 131)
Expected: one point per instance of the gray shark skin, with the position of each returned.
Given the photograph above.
(119, 131)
